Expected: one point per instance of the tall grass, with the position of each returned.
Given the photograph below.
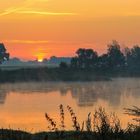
(76, 124)
(99, 125)
(135, 111)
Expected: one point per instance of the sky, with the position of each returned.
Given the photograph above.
(35, 29)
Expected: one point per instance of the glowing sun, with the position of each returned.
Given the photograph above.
(40, 57)
(40, 60)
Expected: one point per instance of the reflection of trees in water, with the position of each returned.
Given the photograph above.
(90, 93)
(85, 93)
(3, 95)
(134, 89)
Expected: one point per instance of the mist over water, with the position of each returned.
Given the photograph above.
(23, 105)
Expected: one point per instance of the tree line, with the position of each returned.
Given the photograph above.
(114, 59)
(3, 54)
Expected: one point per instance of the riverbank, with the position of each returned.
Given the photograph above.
(6, 134)
(50, 74)
(59, 74)
(98, 126)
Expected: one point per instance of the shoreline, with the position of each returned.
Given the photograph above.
(50, 75)
(8, 134)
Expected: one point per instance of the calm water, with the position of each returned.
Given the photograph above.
(23, 105)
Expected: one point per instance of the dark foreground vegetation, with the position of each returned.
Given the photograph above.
(49, 74)
(87, 65)
(98, 126)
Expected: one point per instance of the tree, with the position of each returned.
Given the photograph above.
(116, 58)
(3, 54)
(86, 58)
(91, 58)
(81, 57)
(63, 65)
(74, 62)
(103, 62)
(133, 57)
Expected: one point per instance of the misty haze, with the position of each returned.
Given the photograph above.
(69, 70)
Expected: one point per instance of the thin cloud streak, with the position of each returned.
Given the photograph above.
(9, 11)
(28, 3)
(18, 11)
(44, 13)
(27, 41)
(49, 42)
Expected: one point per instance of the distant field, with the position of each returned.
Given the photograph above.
(16, 67)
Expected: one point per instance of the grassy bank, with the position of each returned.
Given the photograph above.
(49, 74)
(63, 74)
(19, 135)
(98, 126)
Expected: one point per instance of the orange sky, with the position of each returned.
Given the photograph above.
(42, 28)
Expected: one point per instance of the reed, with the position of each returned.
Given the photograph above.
(89, 123)
(76, 125)
(52, 124)
(62, 117)
(99, 125)
(135, 111)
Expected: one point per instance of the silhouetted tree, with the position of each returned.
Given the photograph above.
(3, 54)
(133, 57)
(74, 62)
(103, 62)
(81, 57)
(45, 60)
(63, 65)
(86, 58)
(91, 58)
(115, 57)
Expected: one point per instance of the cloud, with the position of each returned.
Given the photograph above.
(27, 41)
(26, 8)
(20, 11)
(14, 9)
(9, 11)
(44, 13)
